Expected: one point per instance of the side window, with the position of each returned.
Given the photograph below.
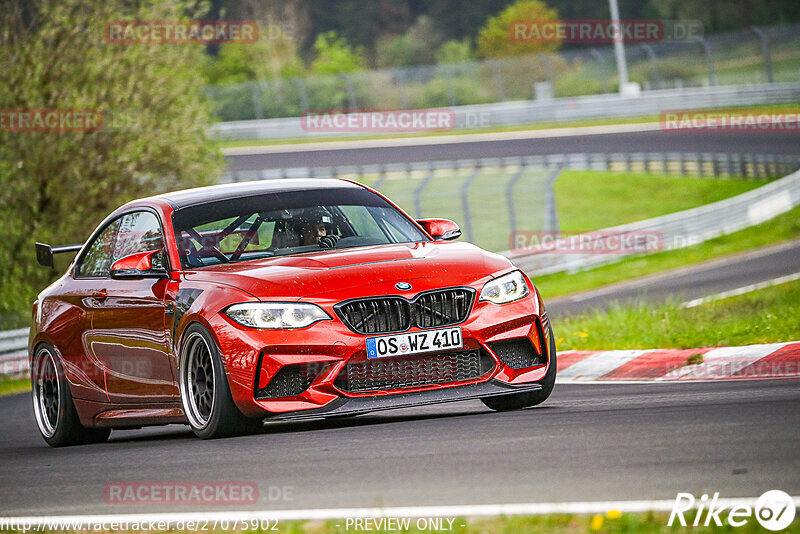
(97, 260)
(140, 231)
(362, 221)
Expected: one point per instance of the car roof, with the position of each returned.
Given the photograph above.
(202, 195)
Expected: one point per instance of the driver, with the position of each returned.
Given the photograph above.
(313, 225)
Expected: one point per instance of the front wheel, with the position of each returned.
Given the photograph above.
(205, 393)
(53, 408)
(524, 400)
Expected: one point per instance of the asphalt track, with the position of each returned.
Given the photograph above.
(647, 141)
(690, 282)
(586, 443)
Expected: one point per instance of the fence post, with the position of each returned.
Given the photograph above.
(352, 103)
(255, 94)
(765, 51)
(548, 69)
(551, 212)
(712, 77)
(599, 58)
(418, 191)
(498, 80)
(398, 75)
(512, 215)
(381, 177)
(451, 92)
(651, 55)
(303, 92)
(465, 201)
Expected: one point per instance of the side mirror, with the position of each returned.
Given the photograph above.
(441, 229)
(139, 265)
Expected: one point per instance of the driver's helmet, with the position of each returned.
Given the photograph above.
(313, 216)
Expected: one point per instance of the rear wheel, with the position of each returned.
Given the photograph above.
(53, 408)
(524, 400)
(205, 393)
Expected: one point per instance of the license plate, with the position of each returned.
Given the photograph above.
(414, 342)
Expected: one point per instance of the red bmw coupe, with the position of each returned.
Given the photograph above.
(225, 306)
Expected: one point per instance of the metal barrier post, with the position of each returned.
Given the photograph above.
(418, 191)
(512, 215)
(712, 77)
(465, 201)
(765, 52)
(551, 212)
(255, 95)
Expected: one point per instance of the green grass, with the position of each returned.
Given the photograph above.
(586, 200)
(782, 228)
(9, 386)
(769, 315)
(591, 200)
(232, 143)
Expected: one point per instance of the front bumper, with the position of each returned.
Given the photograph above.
(253, 358)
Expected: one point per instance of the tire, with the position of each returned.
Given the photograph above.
(518, 401)
(53, 407)
(205, 393)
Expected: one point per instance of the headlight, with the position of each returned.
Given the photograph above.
(505, 289)
(276, 314)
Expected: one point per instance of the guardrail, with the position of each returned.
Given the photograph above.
(676, 230)
(650, 103)
(14, 352)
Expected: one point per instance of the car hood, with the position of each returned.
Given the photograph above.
(355, 272)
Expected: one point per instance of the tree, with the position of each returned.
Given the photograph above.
(335, 55)
(454, 52)
(417, 46)
(56, 187)
(494, 39)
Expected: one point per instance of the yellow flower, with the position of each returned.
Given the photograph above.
(597, 522)
(614, 514)
(583, 334)
(559, 341)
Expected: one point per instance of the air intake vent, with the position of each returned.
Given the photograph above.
(517, 353)
(290, 380)
(408, 372)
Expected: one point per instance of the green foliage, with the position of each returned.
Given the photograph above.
(272, 56)
(494, 39)
(454, 51)
(56, 187)
(335, 55)
(415, 47)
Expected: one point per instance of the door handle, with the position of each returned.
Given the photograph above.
(101, 294)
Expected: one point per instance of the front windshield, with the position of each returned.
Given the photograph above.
(280, 224)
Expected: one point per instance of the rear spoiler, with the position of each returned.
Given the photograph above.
(44, 252)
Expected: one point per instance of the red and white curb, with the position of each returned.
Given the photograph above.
(771, 360)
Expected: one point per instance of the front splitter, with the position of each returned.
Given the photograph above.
(362, 405)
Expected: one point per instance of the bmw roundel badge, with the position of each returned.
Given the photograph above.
(403, 286)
